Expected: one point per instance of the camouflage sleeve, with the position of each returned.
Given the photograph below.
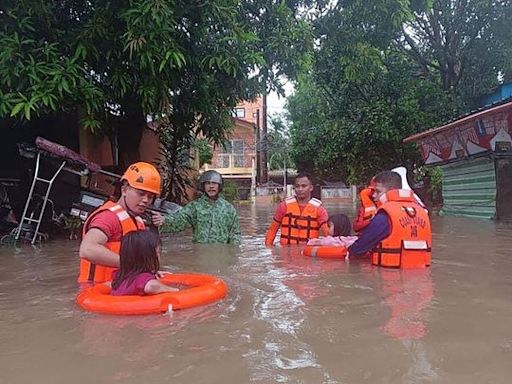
(181, 220)
(235, 236)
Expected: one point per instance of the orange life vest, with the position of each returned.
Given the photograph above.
(299, 226)
(370, 209)
(393, 194)
(90, 272)
(408, 245)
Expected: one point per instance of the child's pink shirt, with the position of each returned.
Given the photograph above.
(135, 287)
(337, 241)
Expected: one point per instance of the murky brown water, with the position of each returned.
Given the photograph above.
(287, 318)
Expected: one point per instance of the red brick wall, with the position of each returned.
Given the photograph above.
(250, 110)
(241, 132)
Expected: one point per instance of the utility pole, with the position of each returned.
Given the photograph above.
(284, 174)
(263, 155)
(258, 147)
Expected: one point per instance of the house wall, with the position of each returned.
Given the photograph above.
(250, 110)
(98, 150)
(236, 165)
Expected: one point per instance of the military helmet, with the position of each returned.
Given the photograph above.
(211, 176)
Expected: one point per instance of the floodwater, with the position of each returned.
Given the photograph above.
(286, 319)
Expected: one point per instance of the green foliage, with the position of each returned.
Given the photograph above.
(175, 162)
(278, 144)
(433, 176)
(370, 86)
(116, 62)
(204, 151)
(467, 44)
(230, 191)
(40, 69)
(436, 179)
(283, 40)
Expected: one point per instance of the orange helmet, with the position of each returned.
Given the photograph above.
(143, 176)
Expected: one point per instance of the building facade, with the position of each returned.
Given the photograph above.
(475, 155)
(236, 160)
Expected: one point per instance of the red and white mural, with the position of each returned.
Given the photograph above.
(483, 131)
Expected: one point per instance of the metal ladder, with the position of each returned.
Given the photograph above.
(31, 219)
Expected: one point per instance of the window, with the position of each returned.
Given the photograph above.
(222, 161)
(232, 150)
(233, 146)
(238, 146)
(239, 112)
(227, 147)
(238, 161)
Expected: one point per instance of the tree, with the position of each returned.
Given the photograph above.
(175, 163)
(117, 62)
(278, 144)
(204, 151)
(368, 88)
(284, 41)
(113, 64)
(466, 42)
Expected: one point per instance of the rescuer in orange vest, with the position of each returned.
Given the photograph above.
(299, 217)
(104, 228)
(399, 234)
(367, 209)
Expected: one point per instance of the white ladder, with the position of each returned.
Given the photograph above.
(31, 219)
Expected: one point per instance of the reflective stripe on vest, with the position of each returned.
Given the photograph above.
(397, 194)
(408, 245)
(90, 272)
(299, 226)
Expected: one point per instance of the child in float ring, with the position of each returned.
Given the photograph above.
(339, 225)
(339, 230)
(139, 265)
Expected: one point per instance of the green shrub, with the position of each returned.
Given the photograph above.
(230, 191)
(436, 179)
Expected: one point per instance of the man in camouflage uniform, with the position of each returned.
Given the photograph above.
(213, 219)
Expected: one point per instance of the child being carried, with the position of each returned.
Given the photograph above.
(339, 228)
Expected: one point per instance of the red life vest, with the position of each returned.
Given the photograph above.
(409, 244)
(90, 272)
(299, 226)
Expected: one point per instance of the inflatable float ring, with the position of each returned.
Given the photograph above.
(202, 289)
(325, 252)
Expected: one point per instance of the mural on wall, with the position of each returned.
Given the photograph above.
(489, 132)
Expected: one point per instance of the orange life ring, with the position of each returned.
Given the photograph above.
(202, 289)
(325, 252)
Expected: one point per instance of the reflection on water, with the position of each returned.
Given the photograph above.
(408, 294)
(287, 318)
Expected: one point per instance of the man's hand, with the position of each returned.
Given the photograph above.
(157, 219)
(367, 192)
